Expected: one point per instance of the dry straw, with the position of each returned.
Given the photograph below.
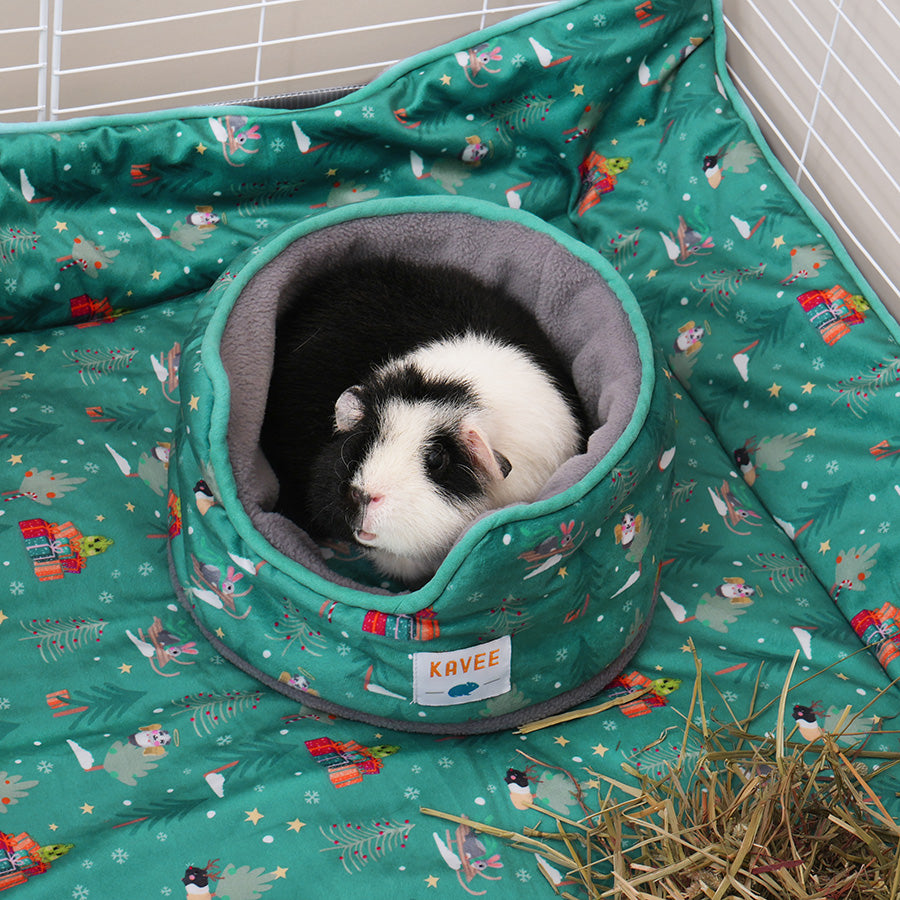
(754, 817)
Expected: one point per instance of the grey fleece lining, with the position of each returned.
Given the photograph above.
(572, 302)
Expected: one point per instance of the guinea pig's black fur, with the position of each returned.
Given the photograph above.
(342, 325)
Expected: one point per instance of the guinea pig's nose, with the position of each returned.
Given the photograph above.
(363, 498)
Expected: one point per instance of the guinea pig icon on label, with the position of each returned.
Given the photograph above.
(462, 676)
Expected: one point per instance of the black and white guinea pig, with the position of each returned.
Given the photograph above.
(405, 401)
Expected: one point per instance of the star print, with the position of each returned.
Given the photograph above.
(194, 403)
(704, 528)
(432, 881)
(562, 741)
(563, 571)
(685, 648)
(615, 142)
(28, 376)
(774, 390)
(87, 809)
(641, 122)
(778, 242)
(219, 633)
(253, 815)
(142, 391)
(599, 750)
(3, 617)
(824, 547)
(42, 348)
(125, 669)
(445, 79)
(578, 90)
(810, 432)
(280, 872)
(53, 826)
(331, 173)
(15, 459)
(843, 677)
(9, 341)
(155, 274)
(296, 825)
(201, 148)
(652, 274)
(60, 226)
(807, 388)
(129, 507)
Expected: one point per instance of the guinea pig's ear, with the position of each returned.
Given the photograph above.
(495, 466)
(349, 409)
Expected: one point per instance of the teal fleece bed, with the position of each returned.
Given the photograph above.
(131, 746)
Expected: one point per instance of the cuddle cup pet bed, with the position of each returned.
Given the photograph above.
(453, 655)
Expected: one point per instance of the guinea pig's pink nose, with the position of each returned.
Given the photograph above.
(363, 498)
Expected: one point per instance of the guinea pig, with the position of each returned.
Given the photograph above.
(407, 400)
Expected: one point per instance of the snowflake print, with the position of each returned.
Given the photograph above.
(123, 237)
(45, 767)
(884, 527)
(161, 836)
(445, 762)
(818, 363)
(385, 175)
(87, 864)
(368, 112)
(277, 145)
(662, 166)
(809, 457)
(119, 855)
(47, 410)
(96, 169)
(416, 769)
(832, 466)
(518, 61)
(262, 224)
(16, 588)
(259, 788)
(80, 892)
(91, 467)
(741, 316)
(5, 704)
(609, 725)
(642, 205)
(411, 793)
(224, 740)
(145, 569)
(562, 654)
(523, 875)
(343, 650)
(599, 20)
(692, 179)
(521, 152)
(728, 244)
(11, 285)
(312, 797)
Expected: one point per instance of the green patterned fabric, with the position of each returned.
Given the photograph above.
(612, 121)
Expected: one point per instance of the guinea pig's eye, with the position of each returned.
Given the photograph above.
(436, 458)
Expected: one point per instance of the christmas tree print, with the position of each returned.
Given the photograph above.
(94, 364)
(621, 250)
(719, 286)
(858, 391)
(510, 616)
(357, 845)
(13, 241)
(54, 637)
(784, 573)
(97, 702)
(293, 628)
(44, 486)
(26, 431)
(209, 710)
(153, 815)
(88, 256)
(506, 119)
(823, 508)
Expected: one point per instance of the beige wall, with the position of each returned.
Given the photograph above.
(827, 122)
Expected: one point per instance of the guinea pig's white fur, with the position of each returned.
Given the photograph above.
(407, 523)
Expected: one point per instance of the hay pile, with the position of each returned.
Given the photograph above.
(762, 817)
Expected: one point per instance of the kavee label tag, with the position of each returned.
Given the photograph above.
(462, 676)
